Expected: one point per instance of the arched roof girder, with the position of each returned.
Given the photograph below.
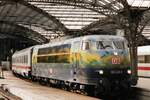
(13, 30)
(95, 25)
(99, 6)
(21, 12)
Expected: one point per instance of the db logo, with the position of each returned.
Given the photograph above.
(51, 71)
(115, 60)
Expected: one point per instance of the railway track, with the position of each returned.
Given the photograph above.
(142, 94)
(135, 94)
(6, 95)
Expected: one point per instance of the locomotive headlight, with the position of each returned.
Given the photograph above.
(101, 71)
(129, 71)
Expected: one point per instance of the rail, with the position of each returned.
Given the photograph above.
(6, 95)
(1, 72)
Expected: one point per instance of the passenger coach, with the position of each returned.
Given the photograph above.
(144, 61)
(21, 62)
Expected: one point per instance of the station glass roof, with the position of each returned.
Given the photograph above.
(51, 17)
(76, 17)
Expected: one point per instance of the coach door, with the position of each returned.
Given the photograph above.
(75, 53)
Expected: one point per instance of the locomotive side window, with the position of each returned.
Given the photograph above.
(86, 45)
(56, 54)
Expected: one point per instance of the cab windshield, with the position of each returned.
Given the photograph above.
(110, 45)
(119, 44)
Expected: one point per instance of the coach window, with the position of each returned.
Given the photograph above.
(26, 59)
(141, 59)
(147, 59)
(22, 60)
(86, 45)
(19, 59)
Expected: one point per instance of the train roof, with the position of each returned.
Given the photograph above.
(22, 51)
(103, 37)
(86, 37)
(144, 50)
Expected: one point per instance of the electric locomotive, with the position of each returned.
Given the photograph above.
(94, 62)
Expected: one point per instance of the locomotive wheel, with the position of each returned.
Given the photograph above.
(48, 83)
(102, 89)
(64, 86)
(42, 81)
(90, 90)
(33, 78)
(73, 87)
(126, 88)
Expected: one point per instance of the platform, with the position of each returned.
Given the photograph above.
(33, 91)
(144, 83)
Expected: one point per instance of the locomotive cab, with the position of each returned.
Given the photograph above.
(106, 63)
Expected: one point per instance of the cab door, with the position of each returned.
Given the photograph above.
(75, 59)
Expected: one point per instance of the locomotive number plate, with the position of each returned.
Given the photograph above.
(115, 60)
